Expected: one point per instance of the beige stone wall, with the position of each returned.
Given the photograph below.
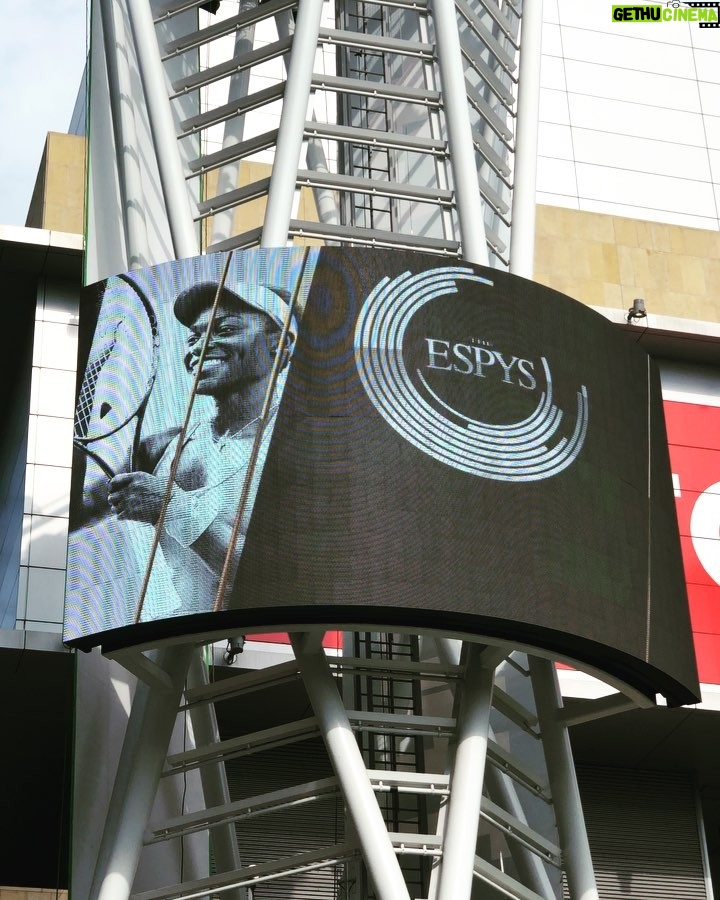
(606, 260)
(58, 201)
(8, 893)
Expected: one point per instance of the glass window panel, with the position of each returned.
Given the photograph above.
(51, 490)
(656, 192)
(48, 542)
(32, 438)
(714, 156)
(55, 392)
(551, 43)
(45, 594)
(34, 389)
(554, 107)
(55, 345)
(710, 98)
(594, 16)
(629, 51)
(29, 488)
(550, 11)
(707, 62)
(22, 593)
(636, 119)
(273, 69)
(53, 442)
(25, 540)
(60, 305)
(556, 176)
(712, 129)
(639, 155)
(639, 87)
(554, 141)
(552, 73)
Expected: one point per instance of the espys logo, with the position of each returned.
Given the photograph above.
(452, 390)
(706, 14)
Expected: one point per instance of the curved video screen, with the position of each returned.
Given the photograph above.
(369, 438)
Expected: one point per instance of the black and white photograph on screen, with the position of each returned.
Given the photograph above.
(162, 403)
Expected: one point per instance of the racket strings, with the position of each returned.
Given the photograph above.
(119, 376)
(86, 400)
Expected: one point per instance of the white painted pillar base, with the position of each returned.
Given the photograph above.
(149, 728)
(563, 782)
(466, 783)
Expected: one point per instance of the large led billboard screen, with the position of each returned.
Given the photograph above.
(377, 438)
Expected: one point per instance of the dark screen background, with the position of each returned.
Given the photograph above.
(353, 523)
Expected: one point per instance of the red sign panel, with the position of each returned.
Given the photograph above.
(694, 441)
(331, 641)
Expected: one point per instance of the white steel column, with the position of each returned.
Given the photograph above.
(214, 778)
(147, 736)
(223, 222)
(466, 782)
(461, 149)
(292, 124)
(501, 788)
(530, 867)
(522, 233)
(316, 161)
(124, 133)
(350, 769)
(563, 782)
(175, 191)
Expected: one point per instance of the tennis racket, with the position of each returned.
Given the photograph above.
(119, 377)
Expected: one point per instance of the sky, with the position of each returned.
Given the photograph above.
(43, 49)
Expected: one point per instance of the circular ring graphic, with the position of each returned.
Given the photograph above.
(527, 450)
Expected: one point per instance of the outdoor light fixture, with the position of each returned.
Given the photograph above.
(235, 646)
(637, 310)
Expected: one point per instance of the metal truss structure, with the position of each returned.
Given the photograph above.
(394, 123)
(394, 126)
(451, 768)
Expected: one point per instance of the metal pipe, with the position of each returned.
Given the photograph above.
(124, 134)
(522, 233)
(223, 222)
(213, 776)
(147, 737)
(563, 781)
(316, 161)
(466, 783)
(172, 177)
(531, 868)
(448, 651)
(461, 149)
(350, 769)
(292, 125)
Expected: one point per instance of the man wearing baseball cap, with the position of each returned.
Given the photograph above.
(244, 340)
